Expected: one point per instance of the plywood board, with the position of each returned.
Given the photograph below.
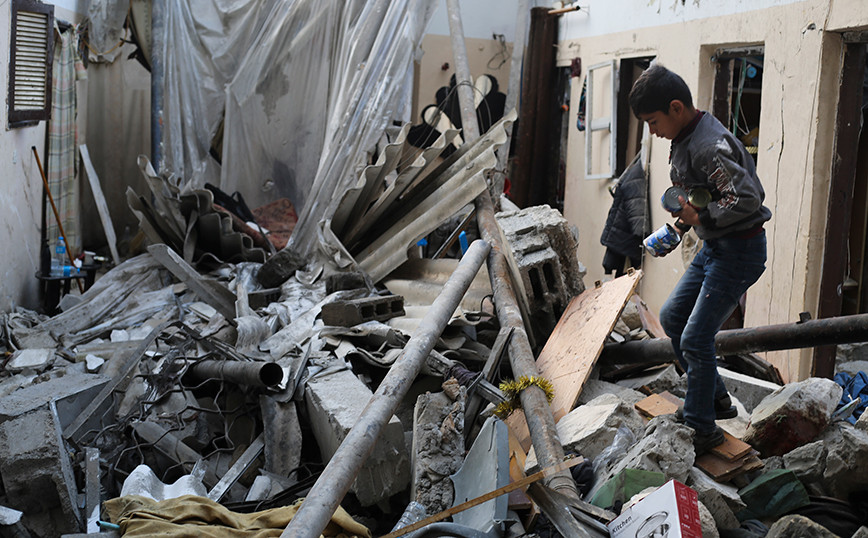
(731, 449)
(650, 322)
(656, 405)
(575, 344)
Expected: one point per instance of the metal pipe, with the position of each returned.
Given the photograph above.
(463, 80)
(158, 26)
(811, 333)
(540, 422)
(255, 374)
(340, 472)
(512, 91)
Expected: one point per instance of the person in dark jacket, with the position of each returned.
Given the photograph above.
(627, 223)
(705, 155)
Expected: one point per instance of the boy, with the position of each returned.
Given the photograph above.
(705, 155)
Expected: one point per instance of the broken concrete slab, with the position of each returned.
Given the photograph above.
(836, 464)
(438, 445)
(589, 429)
(334, 403)
(597, 387)
(32, 360)
(37, 472)
(655, 380)
(793, 415)
(749, 390)
(666, 447)
(797, 526)
(722, 500)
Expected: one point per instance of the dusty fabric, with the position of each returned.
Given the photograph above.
(62, 161)
(195, 516)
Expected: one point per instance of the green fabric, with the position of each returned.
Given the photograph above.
(624, 485)
(773, 494)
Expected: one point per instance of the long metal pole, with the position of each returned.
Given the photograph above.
(463, 81)
(540, 422)
(254, 374)
(811, 333)
(512, 92)
(158, 28)
(335, 480)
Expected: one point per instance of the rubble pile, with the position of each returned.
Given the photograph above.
(181, 391)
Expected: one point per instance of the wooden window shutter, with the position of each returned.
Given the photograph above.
(31, 56)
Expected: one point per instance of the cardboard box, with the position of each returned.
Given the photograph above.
(670, 511)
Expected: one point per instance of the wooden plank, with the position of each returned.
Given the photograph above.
(716, 467)
(655, 405)
(101, 205)
(575, 344)
(732, 449)
(649, 320)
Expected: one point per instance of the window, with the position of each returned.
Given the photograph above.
(31, 55)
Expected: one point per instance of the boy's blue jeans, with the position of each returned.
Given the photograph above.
(702, 300)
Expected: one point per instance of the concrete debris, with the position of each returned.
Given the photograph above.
(666, 447)
(656, 380)
(438, 445)
(792, 416)
(797, 526)
(591, 428)
(543, 246)
(239, 385)
(749, 390)
(387, 471)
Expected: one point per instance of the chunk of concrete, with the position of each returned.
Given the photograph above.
(862, 532)
(656, 380)
(597, 387)
(588, 429)
(862, 422)
(32, 360)
(334, 403)
(438, 445)
(749, 390)
(666, 447)
(721, 500)
(792, 416)
(846, 461)
(796, 526)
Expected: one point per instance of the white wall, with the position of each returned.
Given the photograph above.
(599, 17)
(803, 51)
(20, 188)
(480, 18)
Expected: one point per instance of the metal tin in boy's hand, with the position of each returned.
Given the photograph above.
(662, 241)
(670, 199)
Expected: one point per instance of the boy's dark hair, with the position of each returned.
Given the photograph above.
(655, 88)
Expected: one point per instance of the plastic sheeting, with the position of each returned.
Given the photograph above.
(310, 87)
(106, 28)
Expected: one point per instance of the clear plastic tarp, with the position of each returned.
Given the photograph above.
(307, 88)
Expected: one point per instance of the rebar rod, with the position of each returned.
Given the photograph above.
(340, 472)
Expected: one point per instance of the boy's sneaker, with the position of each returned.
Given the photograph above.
(723, 409)
(703, 442)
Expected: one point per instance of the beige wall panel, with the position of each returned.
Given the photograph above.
(484, 56)
(802, 65)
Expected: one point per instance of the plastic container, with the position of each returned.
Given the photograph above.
(414, 512)
(58, 260)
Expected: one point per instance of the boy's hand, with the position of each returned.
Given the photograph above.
(688, 213)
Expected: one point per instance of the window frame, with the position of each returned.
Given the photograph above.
(29, 116)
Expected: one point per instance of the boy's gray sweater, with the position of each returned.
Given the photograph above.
(711, 157)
